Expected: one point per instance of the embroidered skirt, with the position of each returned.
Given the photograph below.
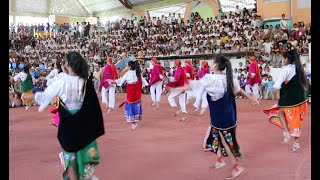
(25, 97)
(213, 138)
(294, 117)
(83, 161)
(133, 111)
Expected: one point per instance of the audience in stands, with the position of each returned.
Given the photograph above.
(238, 31)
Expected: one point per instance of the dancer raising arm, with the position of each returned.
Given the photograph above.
(81, 121)
(135, 83)
(221, 88)
(291, 109)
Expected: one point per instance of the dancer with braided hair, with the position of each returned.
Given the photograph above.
(221, 88)
(135, 83)
(81, 121)
(292, 106)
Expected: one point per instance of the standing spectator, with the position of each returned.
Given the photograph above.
(269, 84)
(283, 24)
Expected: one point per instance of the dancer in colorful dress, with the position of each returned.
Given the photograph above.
(110, 72)
(156, 75)
(190, 76)
(135, 83)
(179, 79)
(81, 121)
(254, 78)
(221, 89)
(202, 97)
(26, 86)
(291, 109)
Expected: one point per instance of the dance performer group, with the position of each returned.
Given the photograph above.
(78, 103)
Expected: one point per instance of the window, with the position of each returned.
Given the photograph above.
(304, 3)
(227, 5)
(31, 20)
(104, 20)
(168, 10)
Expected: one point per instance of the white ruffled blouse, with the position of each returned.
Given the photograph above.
(214, 84)
(68, 88)
(130, 77)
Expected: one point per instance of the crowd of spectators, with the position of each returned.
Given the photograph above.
(238, 31)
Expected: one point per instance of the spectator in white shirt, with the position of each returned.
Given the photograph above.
(267, 46)
(283, 24)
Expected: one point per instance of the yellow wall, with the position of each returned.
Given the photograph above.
(299, 14)
(137, 14)
(62, 19)
(276, 9)
(187, 12)
(273, 9)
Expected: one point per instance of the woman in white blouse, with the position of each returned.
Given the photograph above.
(291, 109)
(81, 121)
(135, 82)
(221, 135)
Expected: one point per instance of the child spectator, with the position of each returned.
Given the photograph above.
(268, 86)
(242, 83)
(261, 87)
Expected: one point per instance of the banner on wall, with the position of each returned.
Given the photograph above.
(92, 20)
(52, 19)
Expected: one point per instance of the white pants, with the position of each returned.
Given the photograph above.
(254, 91)
(156, 90)
(112, 98)
(182, 100)
(203, 98)
(190, 94)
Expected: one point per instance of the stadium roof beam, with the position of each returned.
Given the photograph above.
(126, 4)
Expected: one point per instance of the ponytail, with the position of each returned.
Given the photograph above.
(78, 64)
(134, 65)
(229, 74)
(58, 65)
(225, 64)
(293, 58)
(138, 70)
